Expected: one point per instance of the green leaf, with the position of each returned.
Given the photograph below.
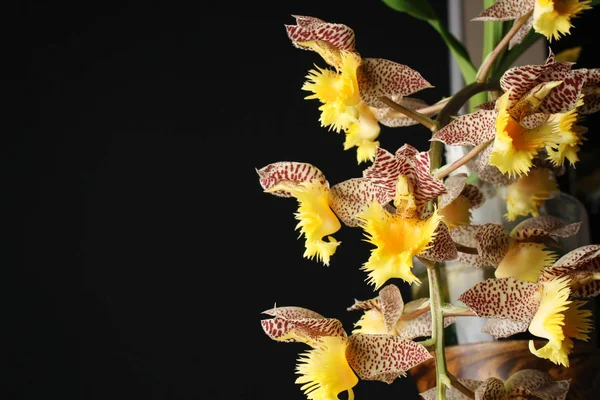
(420, 9)
(594, 2)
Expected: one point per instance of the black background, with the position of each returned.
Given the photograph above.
(149, 249)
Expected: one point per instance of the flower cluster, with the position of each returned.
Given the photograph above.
(410, 207)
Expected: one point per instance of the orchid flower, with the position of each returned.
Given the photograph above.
(520, 253)
(460, 199)
(544, 308)
(582, 267)
(551, 18)
(526, 195)
(320, 207)
(350, 92)
(537, 113)
(408, 228)
(526, 383)
(387, 314)
(332, 364)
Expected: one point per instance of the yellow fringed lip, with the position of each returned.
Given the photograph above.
(552, 18)
(397, 240)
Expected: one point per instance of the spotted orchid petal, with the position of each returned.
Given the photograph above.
(503, 328)
(394, 119)
(505, 10)
(380, 77)
(295, 324)
(465, 235)
(419, 326)
(456, 185)
(591, 92)
(491, 389)
(389, 303)
(452, 393)
(314, 34)
(507, 298)
(278, 177)
(349, 198)
(383, 357)
(582, 266)
(521, 79)
(292, 312)
(413, 165)
(442, 247)
(492, 242)
(469, 129)
(521, 33)
(533, 383)
(415, 308)
(543, 226)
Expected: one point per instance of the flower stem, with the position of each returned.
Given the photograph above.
(461, 161)
(460, 387)
(437, 328)
(417, 116)
(486, 66)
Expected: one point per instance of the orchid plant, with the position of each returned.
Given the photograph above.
(523, 128)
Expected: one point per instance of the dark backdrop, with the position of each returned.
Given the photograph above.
(149, 249)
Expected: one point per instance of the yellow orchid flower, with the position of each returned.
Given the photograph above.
(552, 18)
(558, 319)
(526, 195)
(397, 240)
(543, 308)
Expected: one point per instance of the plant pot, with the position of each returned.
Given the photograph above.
(502, 358)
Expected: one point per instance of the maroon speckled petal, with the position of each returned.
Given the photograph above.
(491, 389)
(419, 326)
(454, 187)
(452, 393)
(544, 226)
(383, 357)
(565, 96)
(504, 10)
(465, 235)
(291, 312)
(507, 298)
(528, 383)
(579, 264)
(309, 28)
(521, 33)
(388, 116)
(305, 330)
(519, 80)
(392, 305)
(363, 305)
(534, 120)
(469, 129)
(503, 328)
(288, 172)
(442, 246)
(492, 242)
(380, 77)
(409, 162)
(348, 199)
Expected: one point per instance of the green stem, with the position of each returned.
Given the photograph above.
(437, 329)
